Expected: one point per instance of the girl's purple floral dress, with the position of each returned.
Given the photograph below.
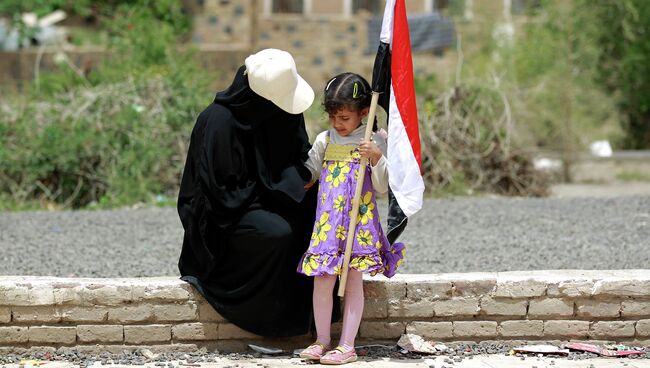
(371, 251)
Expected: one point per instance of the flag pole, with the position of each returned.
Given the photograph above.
(357, 197)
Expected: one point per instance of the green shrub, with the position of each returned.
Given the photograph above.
(111, 144)
(113, 137)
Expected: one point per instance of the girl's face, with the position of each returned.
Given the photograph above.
(345, 121)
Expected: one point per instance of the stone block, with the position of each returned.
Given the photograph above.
(573, 289)
(384, 289)
(566, 329)
(52, 334)
(163, 290)
(431, 330)
(550, 307)
(100, 333)
(611, 329)
(208, 314)
(145, 334)
(474, 329)
(5, 315)
(456, 307)
(627, 287)
(229, 331)
(130, 314)
(516, 288)
(13, 335)
(14, 295)
(503, 307)
(524, 328)
(381, 330)
(175, 312)
(642, 328)
(474, 287)
(553, 290)
(70, 295)
(113, 295)
(430, 289)
(375, 308)
(590, 308)
(196, 331)
(40, 314)
(83, 314)
(41, 296)
(635, 308)
(410, 308)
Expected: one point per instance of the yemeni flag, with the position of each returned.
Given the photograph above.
(393, 77)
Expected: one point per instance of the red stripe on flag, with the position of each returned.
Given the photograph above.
(402, 77)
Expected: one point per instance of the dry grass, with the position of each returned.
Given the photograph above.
(467, 142)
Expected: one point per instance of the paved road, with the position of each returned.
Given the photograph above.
(448, 235)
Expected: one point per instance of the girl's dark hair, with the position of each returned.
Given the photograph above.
(350, 91)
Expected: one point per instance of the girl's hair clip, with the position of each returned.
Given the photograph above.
(355, 90)
(330, 82)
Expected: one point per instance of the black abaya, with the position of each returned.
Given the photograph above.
(246, 216)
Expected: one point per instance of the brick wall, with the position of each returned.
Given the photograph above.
(166, 313)
(225, 32)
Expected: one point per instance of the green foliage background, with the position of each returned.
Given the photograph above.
(114, 137)
(623, 61)
(579, 71)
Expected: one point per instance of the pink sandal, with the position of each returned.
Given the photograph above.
(340, 355)
(314, 351)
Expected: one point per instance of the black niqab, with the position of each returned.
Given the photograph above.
(246, 216)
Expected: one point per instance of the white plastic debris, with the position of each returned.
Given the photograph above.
(541, 349)
(441, 347)
(545, 163)
(265, 350)
(45, 31)
(601, 148)
(54, 17)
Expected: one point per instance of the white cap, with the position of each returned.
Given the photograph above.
(272, 74)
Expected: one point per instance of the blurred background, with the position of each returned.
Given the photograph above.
(98, 98)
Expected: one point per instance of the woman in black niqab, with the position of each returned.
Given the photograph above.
(246, 215)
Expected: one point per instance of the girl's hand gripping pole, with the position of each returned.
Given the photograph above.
(357, 197)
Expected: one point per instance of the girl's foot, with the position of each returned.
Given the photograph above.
(314, 351)
(340, 355)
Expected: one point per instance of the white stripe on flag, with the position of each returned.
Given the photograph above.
(404, 172)
(386, 35)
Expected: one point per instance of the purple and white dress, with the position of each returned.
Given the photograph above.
(337, 159)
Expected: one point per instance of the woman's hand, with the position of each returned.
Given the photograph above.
(370, 150)
(309, 185)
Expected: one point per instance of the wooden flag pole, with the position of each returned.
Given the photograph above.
(357, 197)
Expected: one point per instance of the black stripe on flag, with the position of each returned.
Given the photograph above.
(396, 220)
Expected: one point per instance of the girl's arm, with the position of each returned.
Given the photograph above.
(316, 155)
(375, 150)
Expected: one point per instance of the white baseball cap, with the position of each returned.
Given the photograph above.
(272, 74)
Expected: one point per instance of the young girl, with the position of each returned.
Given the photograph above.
(334, 159)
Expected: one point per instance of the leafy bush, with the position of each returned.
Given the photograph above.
(112, 137)
(111, 144)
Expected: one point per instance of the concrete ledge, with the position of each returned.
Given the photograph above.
(167, 314)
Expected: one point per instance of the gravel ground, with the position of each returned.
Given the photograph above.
(448, 235)
(451, 354)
